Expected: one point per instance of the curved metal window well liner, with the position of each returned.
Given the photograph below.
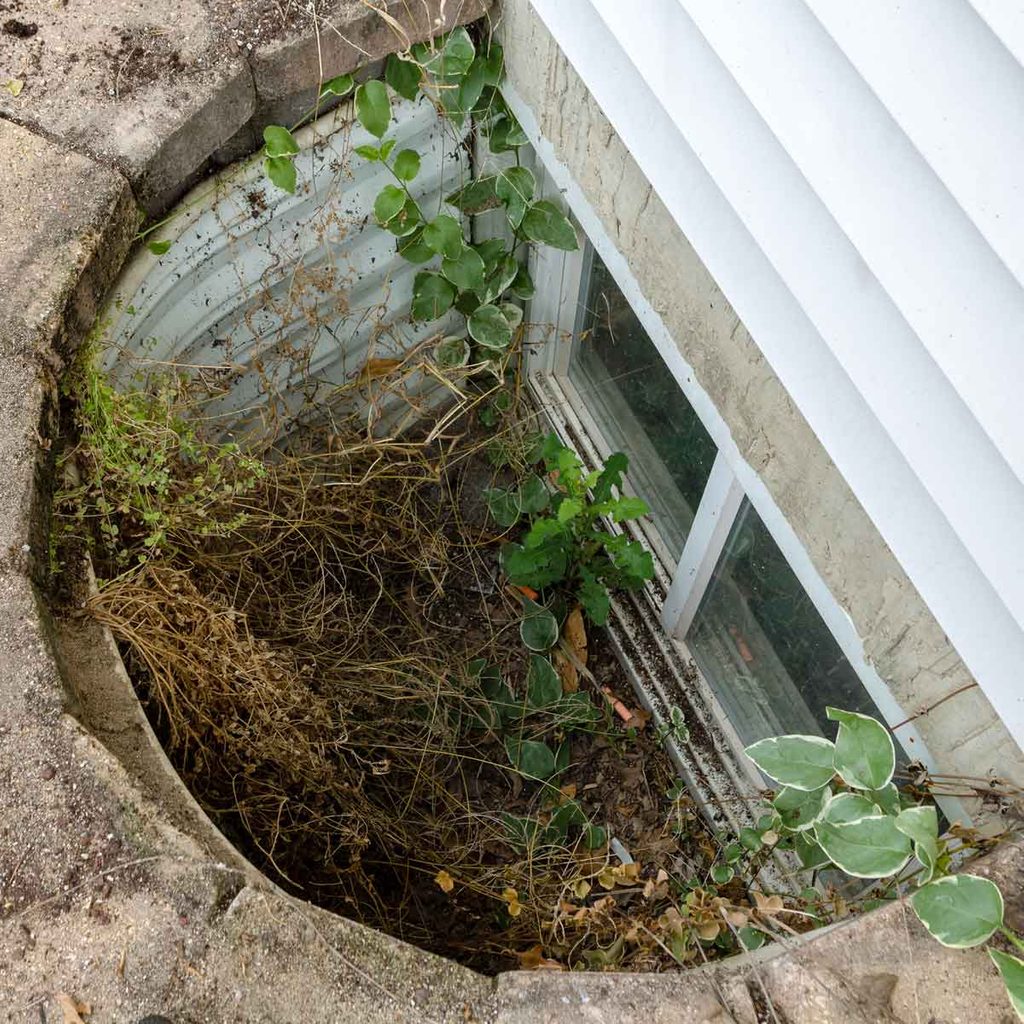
(270, 301)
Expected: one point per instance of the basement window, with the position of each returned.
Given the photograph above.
(758, 634)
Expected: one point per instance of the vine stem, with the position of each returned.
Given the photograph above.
(1014, 938)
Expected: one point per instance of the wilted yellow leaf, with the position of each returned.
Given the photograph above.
(379, 367)
(445, 881)
(582, 889)
(513, 906)
(606, 879)
(14, 86)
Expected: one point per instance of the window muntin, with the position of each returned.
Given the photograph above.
(641, 410)
(763, 646)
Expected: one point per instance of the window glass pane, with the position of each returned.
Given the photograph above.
(763, 647)
(641, 411)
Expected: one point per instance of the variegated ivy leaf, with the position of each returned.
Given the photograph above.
(865, 756)
(800, 762)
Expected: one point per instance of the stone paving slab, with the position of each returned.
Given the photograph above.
(150, 86)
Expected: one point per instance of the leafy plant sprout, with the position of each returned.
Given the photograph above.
(838, 807)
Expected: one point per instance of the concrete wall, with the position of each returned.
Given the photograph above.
(900, 636)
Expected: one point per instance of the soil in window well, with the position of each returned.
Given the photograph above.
(328, 652)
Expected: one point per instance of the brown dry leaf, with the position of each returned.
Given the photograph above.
(768, 904)
(671, 921)
(575, 634)
(567, 673)
(445, 881)
(662, 876)
(72, 1008)
(640, 718)
(709, 930)
(738, 918)
(379, 367)
(568, 790)
(534, 960)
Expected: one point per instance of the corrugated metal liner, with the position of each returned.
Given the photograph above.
(273, 300)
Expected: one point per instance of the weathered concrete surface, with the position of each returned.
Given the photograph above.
(156, 88)
(101, 897)
(150, 87)
(901, 637)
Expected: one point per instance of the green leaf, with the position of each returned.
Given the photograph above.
(407, 164)
(751, 938)
(432, 296)
(538, 628)
(543, 222)
(466, 271)
(565, 815)
(543, 686)
(610, 477)
(506, 134)
(386, 147)
(406, 222)
(959, 910)
(865, 756)
(533, 494)
(888, 798)
(373, 107)
(722, 874)
(530, 757)
(341, 85)
(158, 248)
(595, 836)
(476, 196)
(594, 599)
(569, 508)
(389, 203)
(634, 562)
(515, 187)
(512, 313)
(368, 152)
(921, 824)
(846, 807)
(454, 57)
(403, 76)
(535, 567)
(494, 62)
(444, 235)
(1012, 971)
(279, 141)
(281, 171)
(488, 327)
(750, 839)
(870, 847)
(800, 762)
(458, 102)
(811, 855)
(414, 249)
(499, 277)
(503, 506)
(798, 808)
(452, 352)
(522, 286)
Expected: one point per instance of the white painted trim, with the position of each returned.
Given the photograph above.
(715, 516)
(890, 419)
(835, 617)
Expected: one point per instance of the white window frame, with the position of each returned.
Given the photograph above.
(552, 315)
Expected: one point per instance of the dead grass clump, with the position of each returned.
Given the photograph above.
(306, 664)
